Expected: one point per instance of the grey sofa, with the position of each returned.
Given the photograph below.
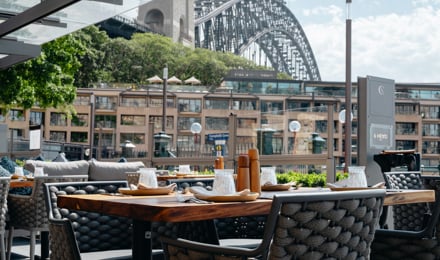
(96, 170)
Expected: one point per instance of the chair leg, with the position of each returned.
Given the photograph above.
(10, 239)
(32, 246)
(2, 247)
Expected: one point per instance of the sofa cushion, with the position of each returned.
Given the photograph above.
(110, 171)
(59, 168)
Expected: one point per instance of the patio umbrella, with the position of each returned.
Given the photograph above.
(192, 81)
(174, 80)
(155, 79)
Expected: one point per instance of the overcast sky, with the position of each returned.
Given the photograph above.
(396, 39)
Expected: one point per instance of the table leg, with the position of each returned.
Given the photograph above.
(142, 244)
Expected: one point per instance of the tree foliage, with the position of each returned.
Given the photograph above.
(146, 55)
(46, 80)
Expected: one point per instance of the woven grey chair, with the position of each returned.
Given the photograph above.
(29, 212)
(330, 225)
(63, 244)
(395, 244)
(4, 189)
(407, 216)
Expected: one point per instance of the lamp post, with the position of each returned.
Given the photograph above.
(343, 119)
(164, 98)
(348, 88)
(92, 127)
(294, 127)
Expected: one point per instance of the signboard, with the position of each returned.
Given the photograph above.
(220, 136)
(35, 139)
(375, 123)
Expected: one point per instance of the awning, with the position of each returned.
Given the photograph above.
(27, 24)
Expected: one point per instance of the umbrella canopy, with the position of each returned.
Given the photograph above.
(174, 80)
(192, 81)
(155, 79)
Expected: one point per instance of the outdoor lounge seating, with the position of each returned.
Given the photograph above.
(424, 243)
(339, 225)
(97, 234)
(29, 212)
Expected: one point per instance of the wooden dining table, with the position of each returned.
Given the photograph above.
(146, 209)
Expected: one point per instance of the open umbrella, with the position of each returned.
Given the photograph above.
(155, 79)
(192, 81)
(174, 80)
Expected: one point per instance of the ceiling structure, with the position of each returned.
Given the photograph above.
(27, 24)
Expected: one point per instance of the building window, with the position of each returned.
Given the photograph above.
(108, 103)
(157, 102)
(133, 102)
(82, 101)
(406, 145)
(58, 119)
(217, 104)
(16, 115)
(107, 139)
(272, 107)
(105, 121)
(132, 120)
(217, 123)
(78, 137)
(431, 130)
(190, 105)
(80, 120)
(58, 136)
(405, 109)
(184, 123)
(406, 128)
(17, 133)
(430, 147)
(430, 112)
(246, 122)
(157, 122)
(135, 138)
(36, 118)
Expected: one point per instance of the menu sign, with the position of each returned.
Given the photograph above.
(381, 136)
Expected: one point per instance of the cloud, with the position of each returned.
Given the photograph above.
(403, 47)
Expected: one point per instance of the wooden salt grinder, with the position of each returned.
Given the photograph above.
(254, 170)
(243, 176)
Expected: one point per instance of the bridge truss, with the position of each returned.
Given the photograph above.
(265, 31)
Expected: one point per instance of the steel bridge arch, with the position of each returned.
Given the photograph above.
(234, 26)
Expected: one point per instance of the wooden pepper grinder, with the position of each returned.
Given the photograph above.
(219, 163)
(243, 176)
(254, 169)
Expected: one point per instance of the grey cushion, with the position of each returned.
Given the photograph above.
(110, 171)
(59, 168)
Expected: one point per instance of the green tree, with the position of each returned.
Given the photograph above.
(46, 80)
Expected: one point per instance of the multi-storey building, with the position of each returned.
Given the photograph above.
(261, 105)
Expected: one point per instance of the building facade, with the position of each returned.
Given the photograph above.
(263, 109)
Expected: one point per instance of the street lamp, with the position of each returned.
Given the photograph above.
(89, 151)
(196, 129)
(343, 115)
(348, 87)
(294, 127)
(164, 98)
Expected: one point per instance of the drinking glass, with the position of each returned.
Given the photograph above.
(148, 177)
(39, 171)
(19, 171)
(224, 181)
(356, 176)
(268, 175)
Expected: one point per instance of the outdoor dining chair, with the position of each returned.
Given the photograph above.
(398, 244)
(4, 189)
(333, 225)
(28, 212)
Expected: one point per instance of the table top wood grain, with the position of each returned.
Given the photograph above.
(168, 208)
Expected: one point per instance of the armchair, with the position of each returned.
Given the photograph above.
(4, 189)
(28, 212)
(337, 225)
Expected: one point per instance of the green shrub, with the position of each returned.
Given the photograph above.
(308, 180)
